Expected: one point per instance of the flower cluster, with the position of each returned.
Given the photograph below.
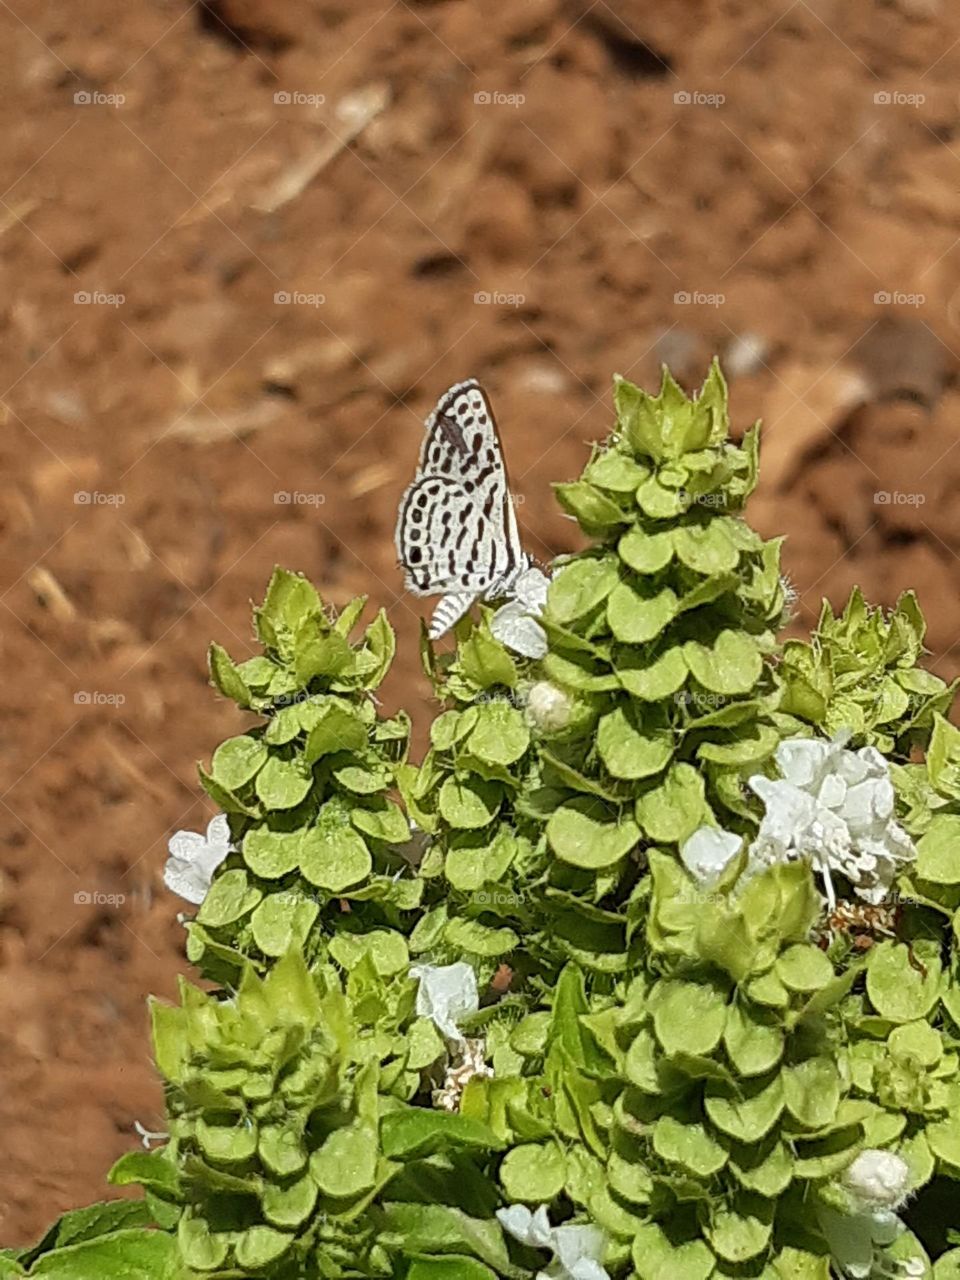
(832, 807)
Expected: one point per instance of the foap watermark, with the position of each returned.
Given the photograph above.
(496, 898)
(897, 298)
(695, 98)
(94, 98)
(97, 698)
(94, 498)
(297, 498)
(94, 898)
(498, 299)
(701, 499)
(295, 298)
(898, 498)
(97, 298)
(897, 98)
(296, 98)
(696, 298)
(702, 701)
(494, 98)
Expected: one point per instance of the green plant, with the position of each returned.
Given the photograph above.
(577, 1007)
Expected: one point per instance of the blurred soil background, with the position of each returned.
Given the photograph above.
(244, 245)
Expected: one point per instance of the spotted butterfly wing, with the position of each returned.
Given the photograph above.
(457, 533)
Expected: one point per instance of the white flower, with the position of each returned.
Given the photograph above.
(706, 853)
(576, 1250)
(194, 858)
(515, 623)
(859, 1244)
(878, 1179)
(836, 808)
(446, 994)
(548, 707)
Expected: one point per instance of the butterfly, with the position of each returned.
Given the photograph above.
(457, 534)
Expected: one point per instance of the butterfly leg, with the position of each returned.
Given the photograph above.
(449, 611)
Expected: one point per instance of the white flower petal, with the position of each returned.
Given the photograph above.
(530, 590)
(194, 858)
(801, 760)
(218, 831)
(186, 846)
(446, 994)
(516, 1221)
(513, 627)
(706, 853)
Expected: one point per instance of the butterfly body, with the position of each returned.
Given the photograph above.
(457, 533)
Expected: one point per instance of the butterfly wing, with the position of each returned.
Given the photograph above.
(456, 531)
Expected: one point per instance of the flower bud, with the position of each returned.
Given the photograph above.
(878, 1179)
(550, 709)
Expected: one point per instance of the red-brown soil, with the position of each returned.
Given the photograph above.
(736, 153)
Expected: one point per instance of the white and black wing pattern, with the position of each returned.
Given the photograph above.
(457, 532)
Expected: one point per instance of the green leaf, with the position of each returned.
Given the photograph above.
(469, 803)
(811, 1091)
(258, 1246)
(804, 967)
(533, 1172)
(346, 1163)
(944, 1139)
(938, 850)
(688, 1145)
(236, 761)
(282, 1150)
(125, 1255)
(748, 1113)
(639, 616)
(387, 949)
(334, 860)
(227, 1143)
(707, 548)
(627, 750)
(689, 1017)
(766, 1169)
(579, 587)
(500, 736)
(657, 1256)
(229, 898)
(615, 471)
(226, 676)
(739, 1233)
(674, 809)
(226, 800)
(385, 821)
(414, 1132)
(646, 553)
(581, 834)
(271, 854)
(479, 939)
(424, 1044)
(282, 921)
(152, 1169)
(282, 784)
(588, 504)
(653, 679)
(900, 987)
(452, 1267)
(753, 1047)
(427, 1229)
(337, 730)
(731, 665)
(486, 662)
(289, 1206)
